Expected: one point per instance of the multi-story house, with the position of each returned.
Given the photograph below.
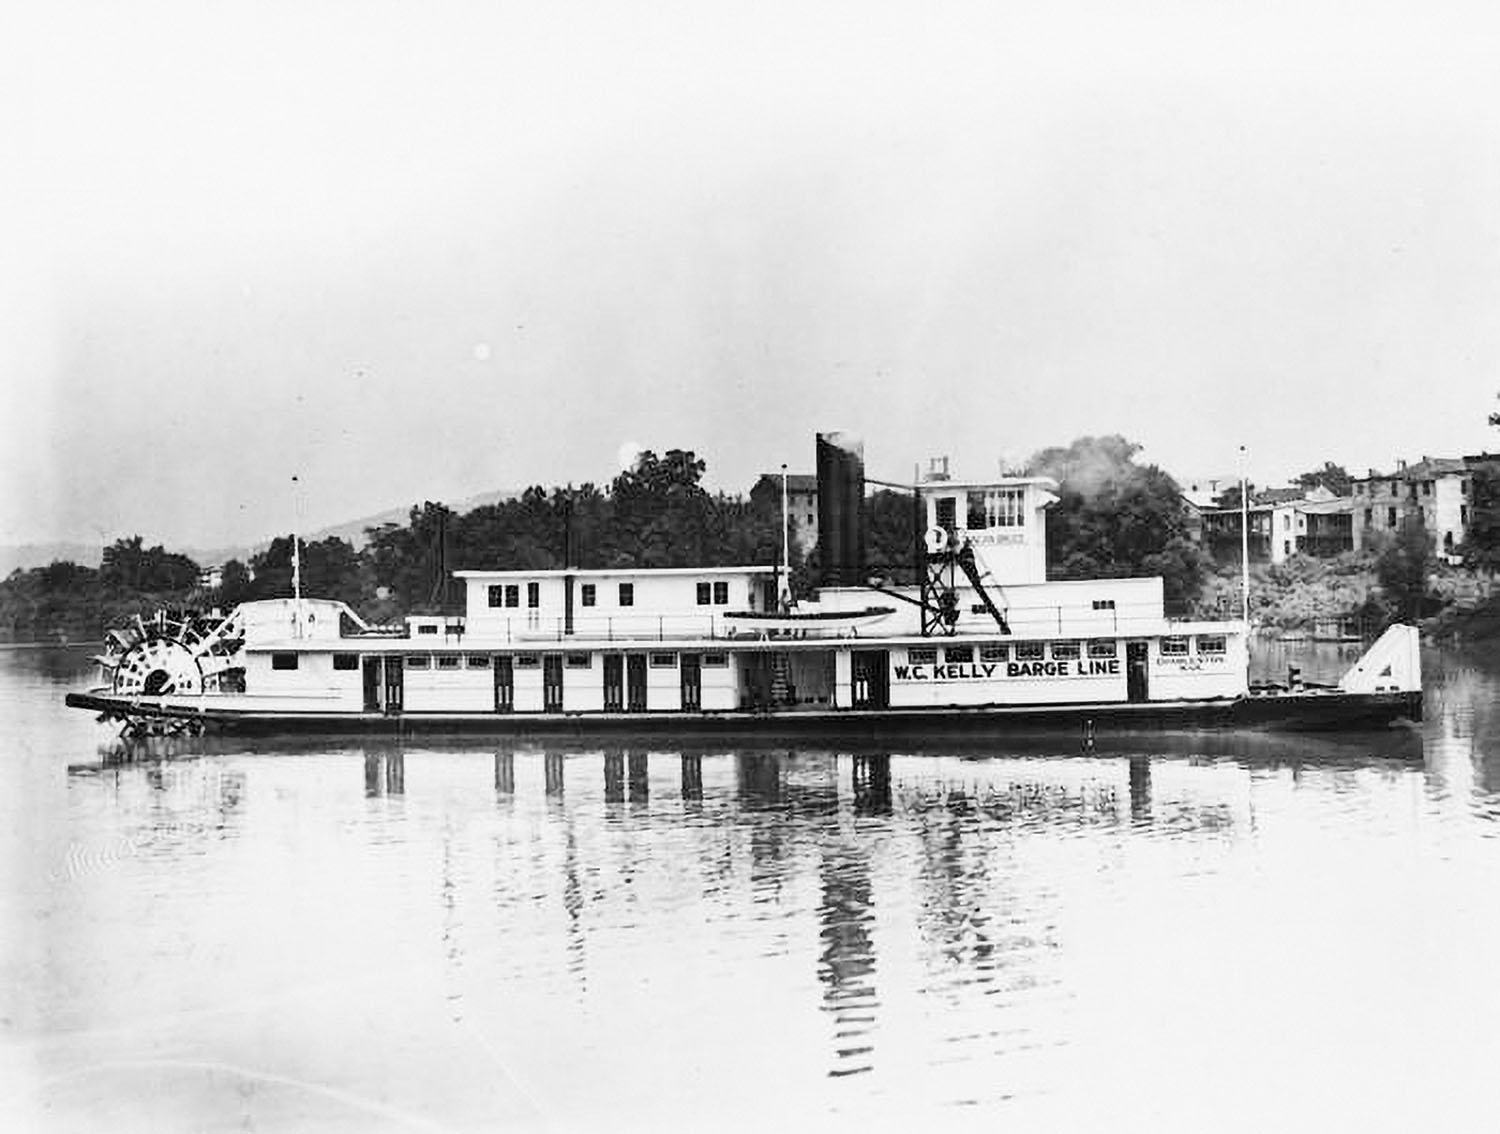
(802, 504)
(1436, 492)
(1283, 522)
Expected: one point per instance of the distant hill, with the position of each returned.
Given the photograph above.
(26, 556)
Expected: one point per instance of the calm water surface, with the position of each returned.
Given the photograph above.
(1200, 932)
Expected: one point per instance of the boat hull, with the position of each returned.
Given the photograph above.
(1303, 712)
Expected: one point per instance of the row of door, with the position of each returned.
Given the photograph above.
(624, 683)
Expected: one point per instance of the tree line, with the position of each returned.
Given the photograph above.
(1114, 517)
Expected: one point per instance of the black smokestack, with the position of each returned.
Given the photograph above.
(841, 509)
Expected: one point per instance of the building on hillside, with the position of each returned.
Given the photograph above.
(1435, 492)
(1202, 491)
(1283, 522)
(211, 578)
(802, 504)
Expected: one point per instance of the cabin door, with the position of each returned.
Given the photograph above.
(552, 683)
(870, 671)
(1137, 687)
(505, 683)
(372, 685)
(395, 684)
(691, 668)
(614, 683)
(635, 682)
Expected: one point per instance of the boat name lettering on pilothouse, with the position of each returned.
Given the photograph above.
(969, 672)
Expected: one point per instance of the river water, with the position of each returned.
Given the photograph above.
(1241, 932)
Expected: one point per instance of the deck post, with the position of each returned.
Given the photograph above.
(639, 789)
(692, 776)
(614, 777)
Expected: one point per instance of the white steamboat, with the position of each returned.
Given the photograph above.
(982, 641)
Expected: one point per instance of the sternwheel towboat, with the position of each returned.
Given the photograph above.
(981, 641)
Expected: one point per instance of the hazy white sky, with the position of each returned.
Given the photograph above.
(421, 250)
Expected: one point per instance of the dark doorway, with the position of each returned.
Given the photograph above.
(505, 683)
(1137, 687)
(552, 683)
(372, 685)
(635, 682)
(870, 671)
(394, 684)
(690, 666)
(614, 683)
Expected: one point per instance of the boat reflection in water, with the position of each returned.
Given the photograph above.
(924, 921)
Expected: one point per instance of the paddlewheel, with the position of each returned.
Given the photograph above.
(173, 654)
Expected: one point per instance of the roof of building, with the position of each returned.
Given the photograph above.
(1428, 468)
(1277, 495)
(795, 482)
(612, 572)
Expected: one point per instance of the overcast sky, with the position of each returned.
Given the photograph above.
(416, 251)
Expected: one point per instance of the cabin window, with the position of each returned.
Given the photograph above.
(956, 654)
(447, 661)
(417, 661)
(1065, 651)
(1029, 651)
(497, 596)
(586, 594)
(283, 661)
(946, 509)
(1174, 647)
(994, 653)
(527, 661)
(579, 661)
(1102, 649)
(512, 594)
(1390, 517)
(1007, 508)
(627, 594)
(715, 661)
(976, 517)
(1104, 604)
(663, 661)
(477, 661)
(427, 628)
(704, 593)
(1211, 643)
(345, 661)
(533, 594)
(921, 655)
(721, 594)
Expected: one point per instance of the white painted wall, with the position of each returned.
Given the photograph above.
(665, 605)
(448, 690)
(314, 678)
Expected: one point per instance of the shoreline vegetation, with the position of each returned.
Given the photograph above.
(1113, 518)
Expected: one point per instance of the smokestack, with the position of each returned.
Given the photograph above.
(841, 509)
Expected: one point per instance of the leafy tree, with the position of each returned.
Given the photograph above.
(1402, 569)
(1230, 497)
(1481, 546)
(131, 567)
(891, 535)
(330, 570)
(1333, 477)
(234, 584)
(1117, 519)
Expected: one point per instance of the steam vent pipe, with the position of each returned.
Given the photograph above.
(841, 509)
